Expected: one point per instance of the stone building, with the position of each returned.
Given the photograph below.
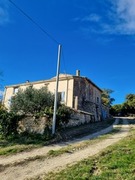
(77, 92)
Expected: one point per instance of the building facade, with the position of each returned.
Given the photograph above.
(75, 92)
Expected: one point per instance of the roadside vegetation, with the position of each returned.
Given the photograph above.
(26, 142)
(125, 109)
(116, 162)
(33, 102)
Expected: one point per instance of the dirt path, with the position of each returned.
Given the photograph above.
(21, 157)
(38, 167)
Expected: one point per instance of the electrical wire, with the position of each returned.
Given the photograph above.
(41, 28)
(34, 22)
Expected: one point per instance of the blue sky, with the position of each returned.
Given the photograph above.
(97, 37)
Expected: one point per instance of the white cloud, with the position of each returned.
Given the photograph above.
(91, 18)
(88, 18)
(115, 17)
(4, 15)
(124, 17)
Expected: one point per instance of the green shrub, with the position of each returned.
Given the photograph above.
(8, 122)
(62, 115)
(31, 100)
(2, 107)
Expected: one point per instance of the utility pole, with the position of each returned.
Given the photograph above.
(58, 62)
(56, 90)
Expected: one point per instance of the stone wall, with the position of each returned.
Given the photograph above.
(80, 117)
(31, 125)
(88, 97)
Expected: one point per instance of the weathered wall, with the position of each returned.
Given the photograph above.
(88, 96)
(32, 125)
(80, 117)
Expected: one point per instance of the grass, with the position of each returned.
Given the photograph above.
(10, 145)
(13, 145)
(15, 149)
(116, 162)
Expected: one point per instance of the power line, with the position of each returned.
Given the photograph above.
(40, 27)
(58, 62)
(34, 22)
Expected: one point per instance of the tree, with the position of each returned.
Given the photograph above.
(35, 102)
(130, 100)
(31, 100)
(126, 108)
(8, 123)
(38, 102)
(116, 109)
(129, 104)
(106, 98)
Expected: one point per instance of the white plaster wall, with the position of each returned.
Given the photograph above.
(65, 85)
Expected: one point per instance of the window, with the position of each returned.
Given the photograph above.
(61, 96)
(15, 90)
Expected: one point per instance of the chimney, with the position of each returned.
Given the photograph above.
(77, 72)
